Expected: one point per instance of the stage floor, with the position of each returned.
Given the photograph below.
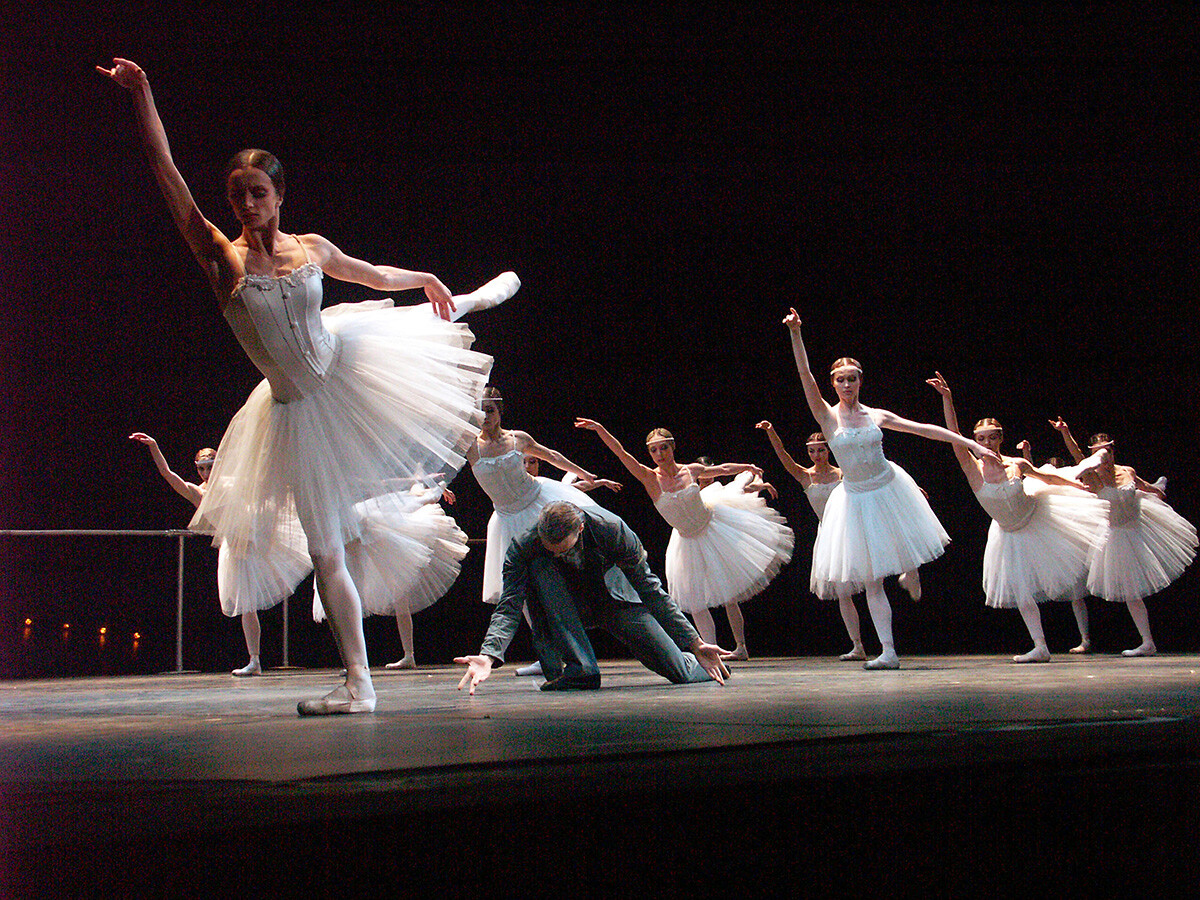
(209, 760)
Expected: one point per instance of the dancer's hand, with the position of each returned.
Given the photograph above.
(766, 426)
(709, 656)
(1059, 425)
(983, 452)
(938, 383)
(143, 439)
(448, 495)
(792, 320)
(598, 482)
(590, 425)
(770, 489)
(126, 73)
(478, 670)
(439, 297)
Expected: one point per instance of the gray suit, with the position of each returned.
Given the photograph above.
(613, 589)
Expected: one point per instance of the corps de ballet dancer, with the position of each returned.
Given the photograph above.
(1143, 544)
(877, 521)
(1042, 531)
(725, 546)
(194, 493)
(818, 483)
(354, 400)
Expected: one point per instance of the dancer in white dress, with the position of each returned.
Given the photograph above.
(194, 493)
(725, 546)
(1144, 544)
(354, 400)
(877, 522)
(1040, 537)
(818, 484)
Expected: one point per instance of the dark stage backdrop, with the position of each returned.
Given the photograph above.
(1009, 198)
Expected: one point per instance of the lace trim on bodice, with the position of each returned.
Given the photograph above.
(684, 510)
(864, 467)
(505, 481)
(295, 277)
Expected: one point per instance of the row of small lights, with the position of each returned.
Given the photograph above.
(66, 629)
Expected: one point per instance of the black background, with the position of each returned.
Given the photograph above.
(1006, 196)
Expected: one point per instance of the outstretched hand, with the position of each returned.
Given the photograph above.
(938, 383)
(765, 426)
(1059, 425)
(984, 453)
(439, 298)
(792, 319)
(143, 439)
(478, 670)
(709, 656)
(124, 72)
(589, 424)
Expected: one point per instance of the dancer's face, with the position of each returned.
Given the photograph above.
(818, 453)
(491, 415)
(662, 452)
(846, 383)
(991, 438)
(204, 469)
(532, 465)
(252, 196)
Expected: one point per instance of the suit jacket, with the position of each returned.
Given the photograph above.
(613, 558)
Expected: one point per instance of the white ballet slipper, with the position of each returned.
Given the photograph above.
(339, 701)
(531, 669)
(885, 660)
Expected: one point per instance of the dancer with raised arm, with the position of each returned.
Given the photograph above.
(193, 494)
(724, 548)
(877, 522)
(1039, 540)
(1143, 544)
(354, 401)
(818, 483)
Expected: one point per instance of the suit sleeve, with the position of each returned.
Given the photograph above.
(628, 554)
(507, 616)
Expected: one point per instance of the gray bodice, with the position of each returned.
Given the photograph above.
(1124, 505)
(505, 481)
(277, 320)
(818, 495)
(1007, 503)
(684, 510)
(859, 454)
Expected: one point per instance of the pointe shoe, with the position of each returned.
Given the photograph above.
(1161, 483)
(573, 683)
(1084, 647)
(491, 294)
(405, 662)
(531, 669)
(885, 660)
(855, 654)
(740, 654)
(339, 701)
(1147, 649)
(1036, 655)
(911, 582)
(254, 667)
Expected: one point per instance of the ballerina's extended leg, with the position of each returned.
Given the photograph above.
(489, 295)
(252, 631)
(344, 608)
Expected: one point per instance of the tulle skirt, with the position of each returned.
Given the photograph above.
(1133, 561)
(504, 526)
(734, 557)
(406, 557)
(400, 402)
(866, 536)
(1047, 559)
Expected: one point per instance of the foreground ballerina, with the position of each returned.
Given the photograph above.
(818, 483)
(877, 522)
(354, 400)
(1039, 540)
(1144, 544)
(726, 545)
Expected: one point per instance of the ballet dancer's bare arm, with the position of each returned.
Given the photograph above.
(885, 419)
(645, 475)
(192, 493)
(793, 468)
(821, 410)
(969, 464)
(528, 445)
(1072, 447)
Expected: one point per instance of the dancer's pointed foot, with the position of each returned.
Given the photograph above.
(254, 667)
(740, 653)
(491, 294)
(341, 700)
(911, 582)
(531, 669)
(1085, 646)
(1038, 654)
(885, 660)
(1145, 649)
(856, 653)
(408, 661)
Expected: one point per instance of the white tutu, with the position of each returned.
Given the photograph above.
(726, 544)
(1143, 547)
(1038, 543)
(503, 526)
(406, 557)
(397, 400)
(867, 535)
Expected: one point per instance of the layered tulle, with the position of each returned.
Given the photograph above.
(1143, 548)
(726, 544)
(398, 403)
(874, 529)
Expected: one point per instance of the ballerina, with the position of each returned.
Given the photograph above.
(726, 545)
(1143, 544)
(877, 521)
(818, 483)
(1039, 540)
(355, 398)
(194, 493)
